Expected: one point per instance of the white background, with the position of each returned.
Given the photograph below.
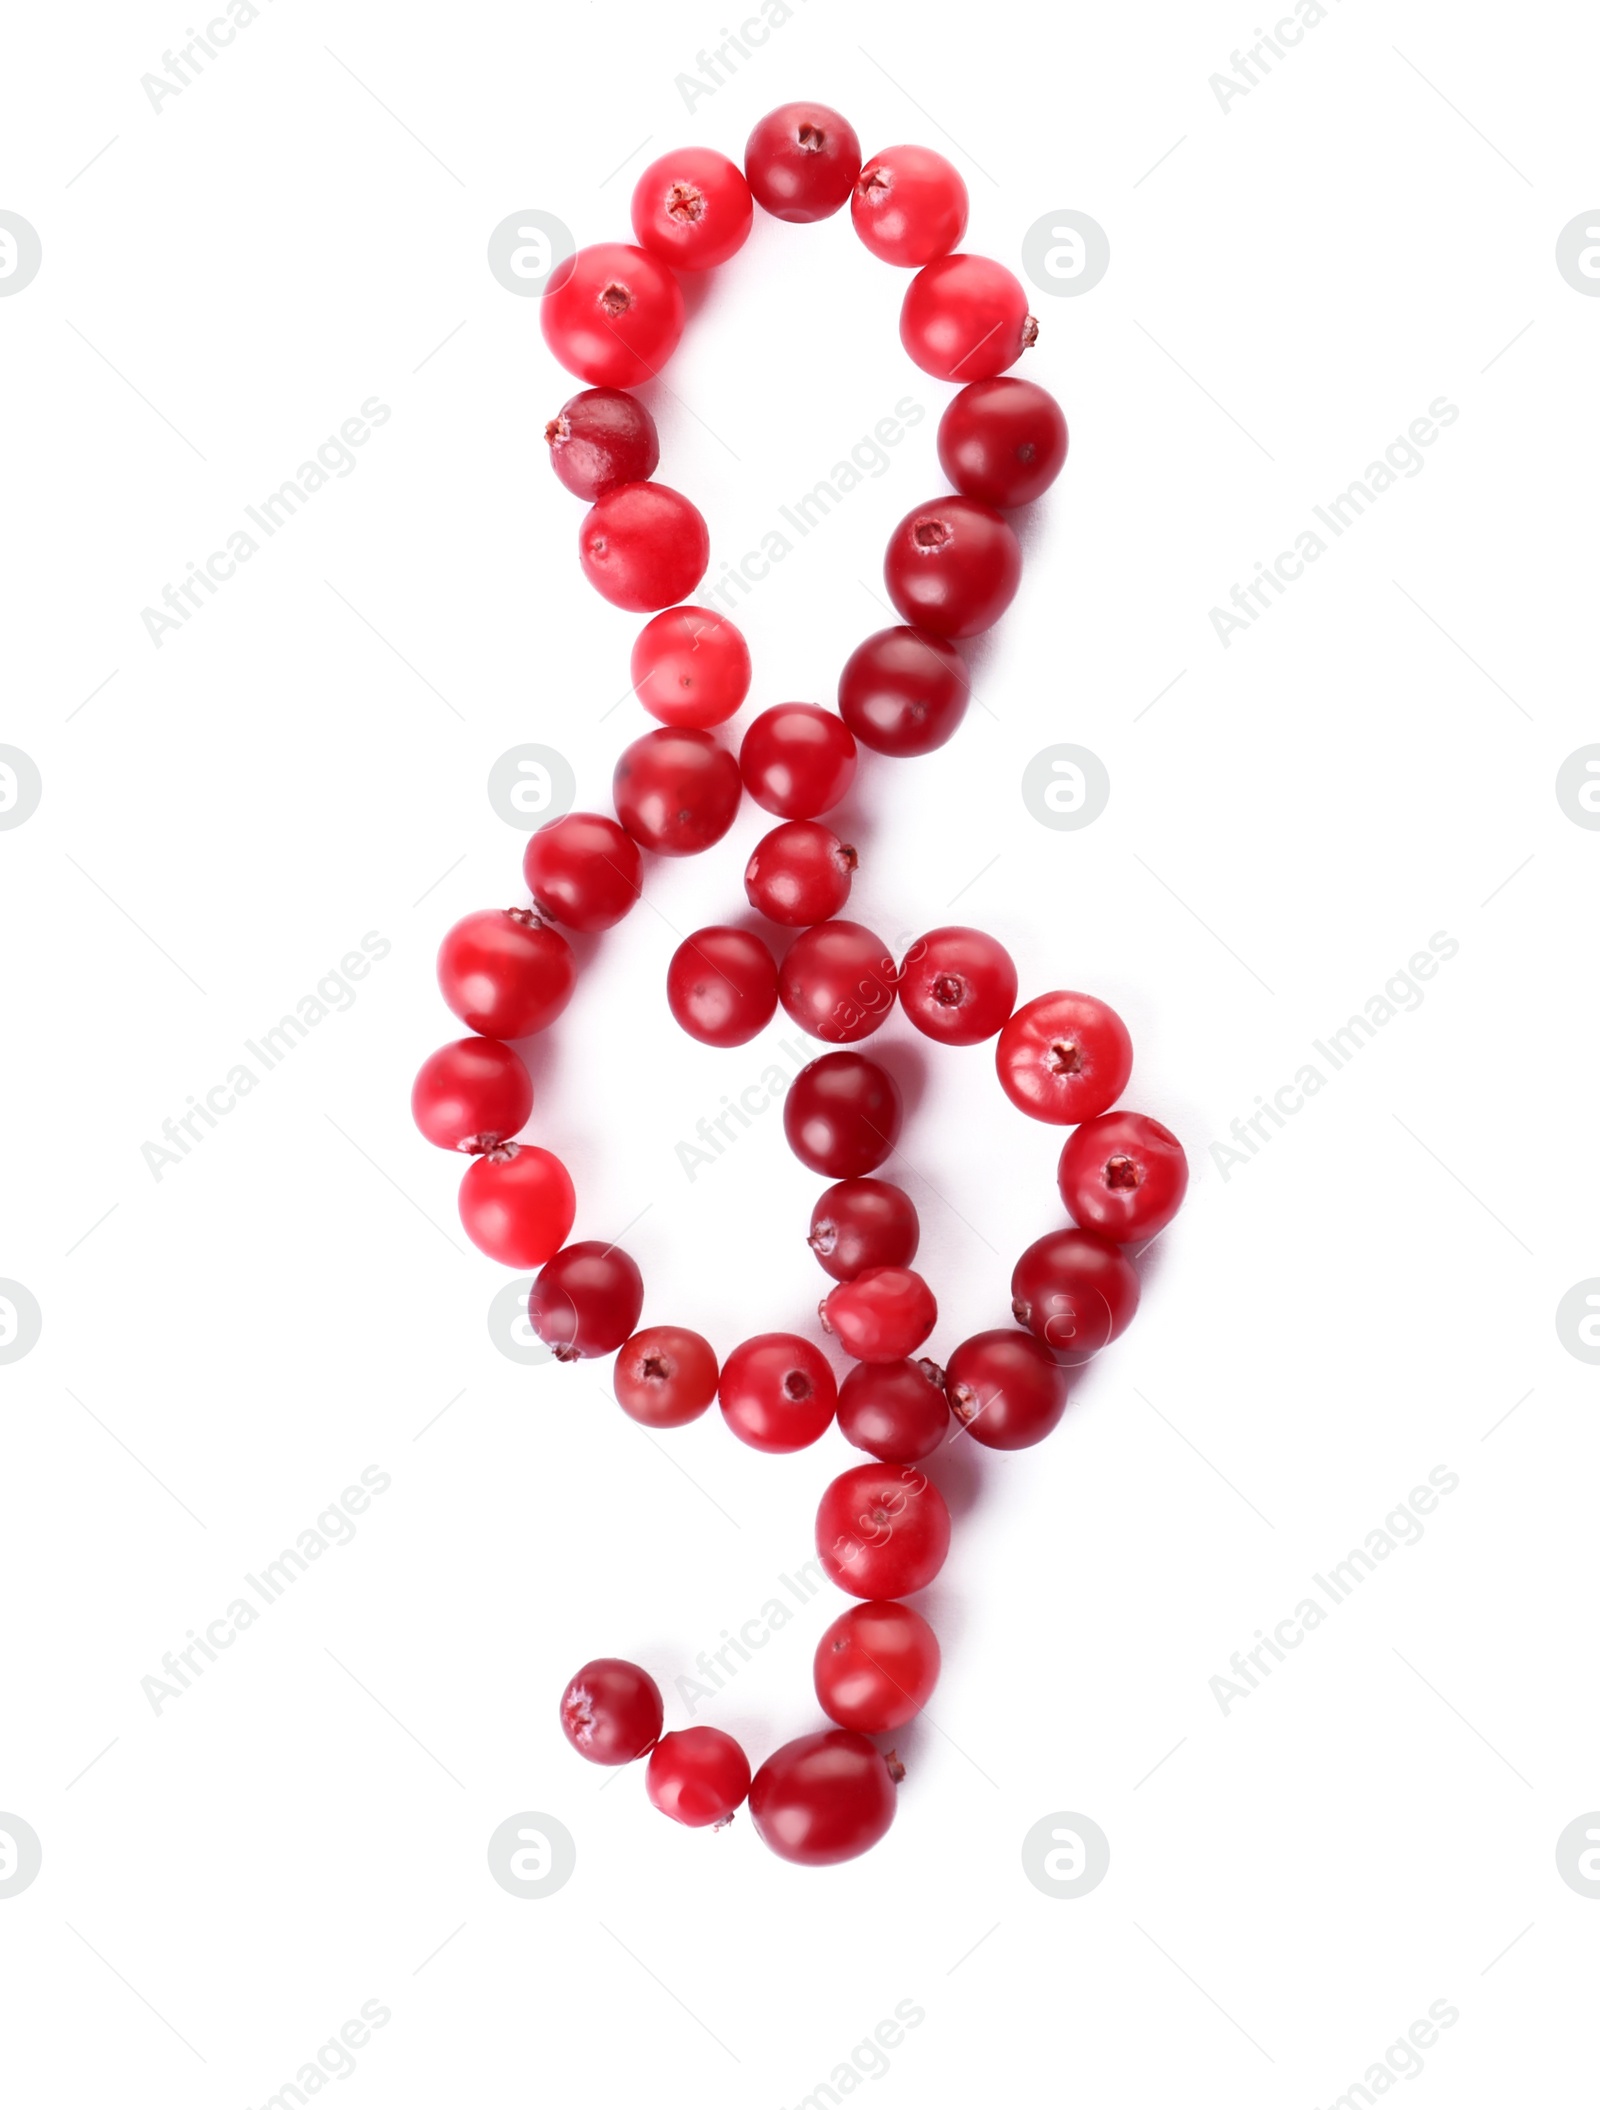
(1370, 1297)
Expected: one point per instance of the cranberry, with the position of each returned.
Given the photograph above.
(582, 870)
(777, 1392)
(643, 546)
(1123, 1175)
(611, 1711)
(881, 1315)
(965, 318)
(698, 1776)
(505, 973)
(1003, 441)
(665, 1376)
(722, 986)
(958, 985)
(884, 1530)
(837, 981)
(612, 315)
(824, 1798)
(876, 1666)
(842, 1115)
(517, 1204)
(797, 760)
(909, 206)
(802, 161)
(676, 791)
(692, 208)
(799, 873)
(600, 439)
(1074, 1291)
(585, 1301)
(1064, 1057)
(471, 1095)
(897, 1411)
(903, 692)
(1006, 1390)
(863, 1223)
(690, 667)
(952, 566)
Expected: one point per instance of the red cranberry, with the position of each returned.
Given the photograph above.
(953, 566)
(797, 760)
(1074, 1291)
(802, 161)
(600, 439)
(582, 870)
(799, 874)
(517, 1204)
(903, 692)
(958, 985)
(1003, 441)
(722, 986)
(965, 318)
(586, 1300)
(1064, 1057)
(909, 206)
(777, 1392)
(692, 208)
(612, 315)
(882, 1315)
(824, 1798)
(884, 1530)
(837, 981)
(876, 1666)
(863, 1223)
(1123, 1175)
(676, 791)
(690, 667)
(665, 1376)
(506, 974)
(472, 1094)
(611, 1711)
(842, 1115)
(1005, 1389)
(643, 546)
(698, 1776)
(897, 1411)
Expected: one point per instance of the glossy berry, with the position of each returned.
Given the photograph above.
(802, 161)
(690, 667)
(612, 315)
(505, 973)
(1006, 1389)
(1074, 1291)
(797, 760)
(965, 318)
(957, 985)
(665, 1376)
(837, 981)
(583, 870)
(517, 1204)
(586, 1300)
(863, 1223)
(611, 1711)
(876, 1666)
(472, 1094)
(1123, 1175)
(698, 1776)
(676, 791)
(897, 1411)
(842, 1115)
(824, 1798)
(909, 206)
(692, 208)
(1003, 441)
(883, 1530)
(722, 986)
(882, 1315)
(903, 691)
(600, 439)
(777, 1392)
(1064, 1057)
(799, 874)
(952, 566)
(643, 546)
